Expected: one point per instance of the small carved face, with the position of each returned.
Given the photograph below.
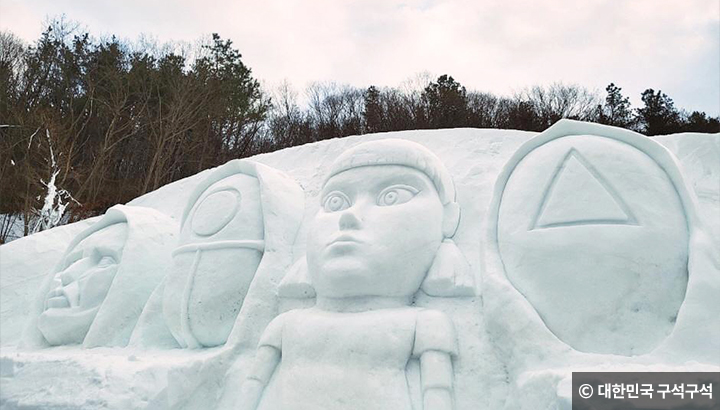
(80, 288)
(376, 233)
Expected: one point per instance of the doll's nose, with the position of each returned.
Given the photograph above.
(348, 220)
(66, 278)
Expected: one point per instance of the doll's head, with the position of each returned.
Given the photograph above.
(81, 285)
(387, 209)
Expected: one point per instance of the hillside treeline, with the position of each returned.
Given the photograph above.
(86, 123)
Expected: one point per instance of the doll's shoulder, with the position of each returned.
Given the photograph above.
(434, 330)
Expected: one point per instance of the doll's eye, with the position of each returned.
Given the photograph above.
(396, 195)
(106, 261)
(336, 201)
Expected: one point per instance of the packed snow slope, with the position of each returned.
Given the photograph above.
(71, 377)
(473, 157)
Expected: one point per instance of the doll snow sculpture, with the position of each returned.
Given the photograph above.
(382, 233)
(99, 287)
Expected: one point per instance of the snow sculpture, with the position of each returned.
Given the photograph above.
(595, 254)
(95, 294)
(223, 242)
(382, 233)
(574, 212)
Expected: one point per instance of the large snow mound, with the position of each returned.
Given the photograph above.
(581, 224)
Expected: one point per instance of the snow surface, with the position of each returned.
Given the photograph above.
(485, 376)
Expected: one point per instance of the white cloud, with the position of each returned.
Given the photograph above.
(491, 45)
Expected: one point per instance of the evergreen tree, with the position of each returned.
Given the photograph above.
(700, 122)
(445, 103)
(616, 110)
(373, 110)
(658, 116)
(237, 102)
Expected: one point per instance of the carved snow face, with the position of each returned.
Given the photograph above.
(376, 233)
(592, 232)
(80, 288)
(221, 245)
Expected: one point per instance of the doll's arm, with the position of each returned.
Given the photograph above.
(436, 375)
(266, 360)
(435, 346)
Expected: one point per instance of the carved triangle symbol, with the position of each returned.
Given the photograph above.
(578, 194)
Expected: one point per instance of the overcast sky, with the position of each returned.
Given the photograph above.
(499, 46)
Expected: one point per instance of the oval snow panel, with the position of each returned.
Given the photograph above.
(215, 211)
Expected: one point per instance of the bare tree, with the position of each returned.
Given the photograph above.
(558, 101)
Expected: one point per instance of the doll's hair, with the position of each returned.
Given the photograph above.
(397, 152)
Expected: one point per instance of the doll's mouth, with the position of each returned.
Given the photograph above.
(63, 297)
(345, 239)
(58, 302)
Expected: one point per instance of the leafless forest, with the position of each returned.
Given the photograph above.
(87, 123)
